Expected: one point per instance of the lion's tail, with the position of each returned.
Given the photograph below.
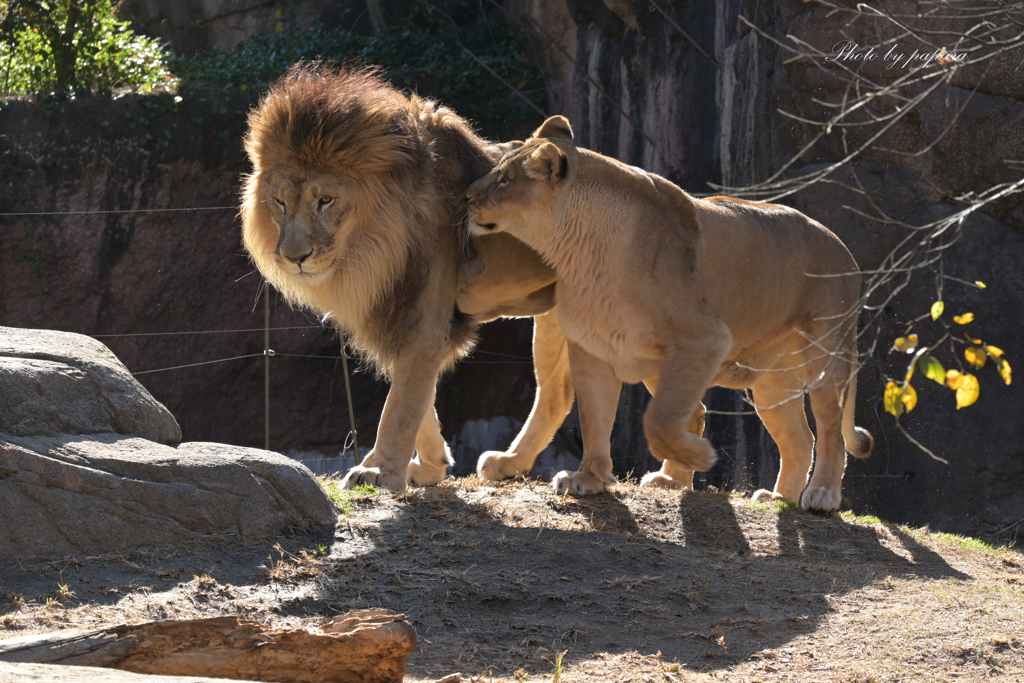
(858, 440)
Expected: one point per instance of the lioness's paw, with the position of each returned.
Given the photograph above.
(766, 496)
(660, 480)
(694, 454)
(495, 466)
(820, 498)
(580, 483)
(375, 477)
(424, 474)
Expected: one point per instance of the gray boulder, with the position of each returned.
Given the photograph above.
(64, 383)
(85, 465)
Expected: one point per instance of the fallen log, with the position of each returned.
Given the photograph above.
(363, 646)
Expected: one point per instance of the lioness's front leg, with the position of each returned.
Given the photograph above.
(552, 403)
(689, 367)
(597, 392)
(673, 475)
(409, 400)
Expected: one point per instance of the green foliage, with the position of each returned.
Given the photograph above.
(428, 52)
(48, 45)
(345, 499)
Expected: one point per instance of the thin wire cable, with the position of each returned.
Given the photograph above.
(192, 365)
(99, 211)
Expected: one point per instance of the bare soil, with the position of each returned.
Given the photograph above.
(503, 582)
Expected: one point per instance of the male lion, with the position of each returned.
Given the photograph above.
(355, 209)
(655, 286)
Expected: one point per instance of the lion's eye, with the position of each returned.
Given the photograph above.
(280, 204)
(324, 202)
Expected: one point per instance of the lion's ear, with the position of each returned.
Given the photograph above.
(555, 127)
(547, 163)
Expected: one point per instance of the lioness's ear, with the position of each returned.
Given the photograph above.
(546, 164)
(555, 127)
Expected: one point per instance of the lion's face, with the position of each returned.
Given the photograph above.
(313, 214)
(518, 190)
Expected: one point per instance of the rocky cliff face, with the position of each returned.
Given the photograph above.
(691, 91)
(685, 89)
(119, 219)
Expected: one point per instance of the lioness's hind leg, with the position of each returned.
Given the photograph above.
(597, 393)
(824, 491)
(433, 458)
(672, 475)
(552, 403)
(779, 400)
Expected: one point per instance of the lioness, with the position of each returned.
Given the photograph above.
(655, 286)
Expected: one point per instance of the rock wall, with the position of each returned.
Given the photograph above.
(106, 229)
(637, 88)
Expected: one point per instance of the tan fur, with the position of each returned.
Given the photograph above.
(681, 293)
(355, 210)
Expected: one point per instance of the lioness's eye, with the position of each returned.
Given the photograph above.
(324, 201)
(502, 182)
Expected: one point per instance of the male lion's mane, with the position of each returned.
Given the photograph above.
(411, 160)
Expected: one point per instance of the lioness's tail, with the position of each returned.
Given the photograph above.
(858, 440)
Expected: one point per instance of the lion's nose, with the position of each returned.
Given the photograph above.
(296, 258)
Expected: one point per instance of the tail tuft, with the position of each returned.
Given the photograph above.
(863, 443)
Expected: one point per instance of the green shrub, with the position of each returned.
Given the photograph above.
(48, 45)
(427, 52)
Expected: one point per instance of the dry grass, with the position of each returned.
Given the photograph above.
(510, 582)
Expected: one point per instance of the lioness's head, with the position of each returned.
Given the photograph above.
(522, 187)
(331, 150)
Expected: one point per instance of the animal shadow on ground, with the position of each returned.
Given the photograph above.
(506, 577)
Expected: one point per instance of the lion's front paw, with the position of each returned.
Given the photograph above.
(424, 474)
(495, 466)
(580, 483)
(375, 477)
(766, 496)
(660, 480)
(820, 498)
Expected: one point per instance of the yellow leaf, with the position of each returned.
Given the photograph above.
(1003, 366)
(975, 356)
(973, 340)
(932, 368)
(906, 344)
(980, 283)
(993, 351)
(968, 391)
(963, 319)
(279, 27)
(954, 379)
(909, 397)
(893, 399)
(278, 13)
(937, 308)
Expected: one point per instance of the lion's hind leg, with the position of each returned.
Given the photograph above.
(433, 458)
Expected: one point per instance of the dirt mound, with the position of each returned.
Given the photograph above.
(501, 580)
